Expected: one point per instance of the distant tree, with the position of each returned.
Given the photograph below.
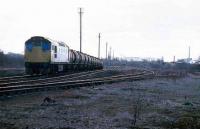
(1, 58)
(11, 60)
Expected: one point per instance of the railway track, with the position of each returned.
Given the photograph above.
(14, 78)
(11, 79)
(26, 77)
(30, 77)
(20, 89)
(50, 79)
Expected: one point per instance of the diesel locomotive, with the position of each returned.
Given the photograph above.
(45, 56)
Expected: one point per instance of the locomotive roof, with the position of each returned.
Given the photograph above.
(60, 43)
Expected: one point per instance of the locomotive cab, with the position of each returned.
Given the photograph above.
(37, 55)
(43, 56)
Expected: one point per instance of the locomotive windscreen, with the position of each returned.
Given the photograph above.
(38, 42)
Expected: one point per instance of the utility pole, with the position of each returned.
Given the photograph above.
(174, 59)
(110, 52)
(80, 12)
(113, 54)
(106, 50)
(99, 45)
(189, 53)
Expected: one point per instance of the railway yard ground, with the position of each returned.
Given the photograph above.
(170, 100)
(11, 71)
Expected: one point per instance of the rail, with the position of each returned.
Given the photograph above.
(9, 90)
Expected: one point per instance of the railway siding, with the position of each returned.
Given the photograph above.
(79, 80)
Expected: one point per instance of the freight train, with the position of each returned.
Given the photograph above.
(45, 56)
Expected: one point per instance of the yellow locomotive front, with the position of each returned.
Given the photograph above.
(37, 55)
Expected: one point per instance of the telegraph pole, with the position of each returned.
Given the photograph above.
(106, 50)
(174, 59)
(113, 54)
(80, 12)
(110, 52)
(99, 45)
(189, 53)
(110, 55)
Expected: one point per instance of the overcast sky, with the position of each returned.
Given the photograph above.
(134, 28)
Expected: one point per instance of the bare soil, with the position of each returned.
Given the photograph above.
(150, 104)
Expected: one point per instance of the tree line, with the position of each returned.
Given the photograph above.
(11, 60)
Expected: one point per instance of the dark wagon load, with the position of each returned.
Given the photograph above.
(43, 56)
